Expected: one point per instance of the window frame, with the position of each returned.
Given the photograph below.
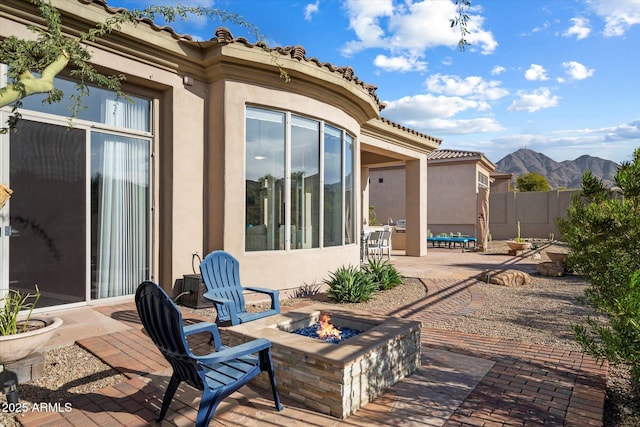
(344, 146)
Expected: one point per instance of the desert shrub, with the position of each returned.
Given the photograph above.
(307, 290)
(350, 284)
(601, 230)
(618, 340)
(383, 274)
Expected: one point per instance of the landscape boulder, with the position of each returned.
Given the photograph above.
(550, 269)
(509, 277)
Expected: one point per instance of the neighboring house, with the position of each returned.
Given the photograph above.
(501, 182)
(453, 180)
(218, 152)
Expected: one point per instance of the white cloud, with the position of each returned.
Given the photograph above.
(428, 106)
(577, 71)
(433, 114)
(472, 87)
(498, 69)
(364, 20)
(461, 126)
(536, 72)
(535, 100)
(580, 28)
(410, 28)
(619, 15)
(399, 63)
(311, 9)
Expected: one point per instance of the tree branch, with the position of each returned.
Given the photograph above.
(27, 84)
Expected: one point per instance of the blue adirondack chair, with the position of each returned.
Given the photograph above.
(221, 275)
(217, 374)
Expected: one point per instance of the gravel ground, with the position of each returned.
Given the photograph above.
(69, 371)
(541, 312)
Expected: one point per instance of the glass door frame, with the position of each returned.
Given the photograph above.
(88, 128)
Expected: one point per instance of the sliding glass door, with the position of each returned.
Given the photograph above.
(47, 212)
(78, 224)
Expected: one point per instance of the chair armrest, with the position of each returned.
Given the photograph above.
(227, 353)
(273, 293)
(261, 290)
(226, 303)
(204, 327)
(200, 327)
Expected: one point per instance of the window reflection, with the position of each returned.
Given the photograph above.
(332, 186)
(102, 106)
(305, 183)
(264, 183)
(269, 226)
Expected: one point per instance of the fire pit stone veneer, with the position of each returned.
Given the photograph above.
(335, 379)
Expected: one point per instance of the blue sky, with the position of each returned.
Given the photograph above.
(557, 77)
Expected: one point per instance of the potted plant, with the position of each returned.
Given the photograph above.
(22, 334)
(518, 244)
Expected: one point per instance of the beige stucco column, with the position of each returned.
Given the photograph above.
(416, 206)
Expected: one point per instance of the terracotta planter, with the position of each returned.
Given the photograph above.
(557, 257)
(18, 346)
(518, 246)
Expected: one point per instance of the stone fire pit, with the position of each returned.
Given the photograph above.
(335, 379)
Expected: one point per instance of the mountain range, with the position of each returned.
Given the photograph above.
(565, 174)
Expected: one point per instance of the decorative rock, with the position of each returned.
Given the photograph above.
(550, 269)
(510, 278)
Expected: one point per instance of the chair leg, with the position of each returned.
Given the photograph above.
(266, 364)
(208, 404)
(174, 382)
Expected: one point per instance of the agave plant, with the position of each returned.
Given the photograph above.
(383, 274)
(350, 284)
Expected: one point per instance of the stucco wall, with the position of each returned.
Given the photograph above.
(387, 195)
(536, 212)
(452, 195)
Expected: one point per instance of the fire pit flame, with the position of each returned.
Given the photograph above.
(326, 329)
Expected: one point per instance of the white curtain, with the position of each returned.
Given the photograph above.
(123, 192)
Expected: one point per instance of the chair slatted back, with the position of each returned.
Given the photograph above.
(162, 321)
(221, 274)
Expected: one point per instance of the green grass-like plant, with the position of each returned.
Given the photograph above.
(350, 284)
(11, 305)
(383, 274)
(307, 290)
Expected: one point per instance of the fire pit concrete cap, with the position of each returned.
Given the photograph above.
(378, 329)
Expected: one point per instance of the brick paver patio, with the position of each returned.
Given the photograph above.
(465, 380)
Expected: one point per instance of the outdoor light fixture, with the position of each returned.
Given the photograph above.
(259, 153)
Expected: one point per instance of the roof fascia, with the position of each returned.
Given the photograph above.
(379, 129)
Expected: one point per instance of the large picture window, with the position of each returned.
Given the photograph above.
(299, 182)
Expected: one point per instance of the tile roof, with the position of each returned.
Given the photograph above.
(224, 36)
(412, 131)
(452, 154)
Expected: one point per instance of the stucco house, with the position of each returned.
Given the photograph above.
(217, 152)
(455, 178)
(501, 182)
